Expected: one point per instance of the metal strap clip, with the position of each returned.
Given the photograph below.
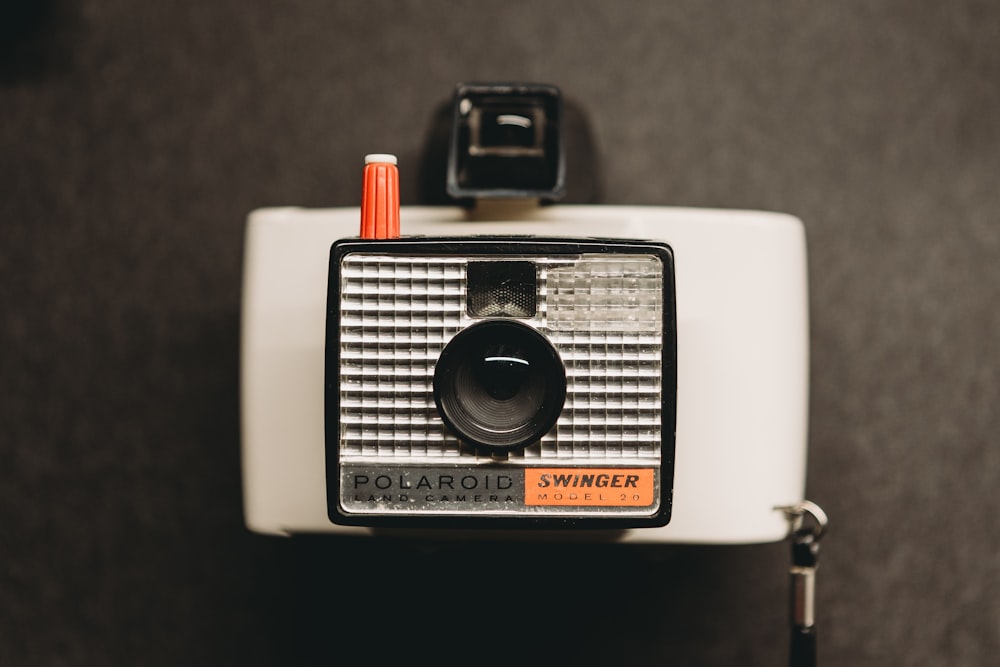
(807, 524)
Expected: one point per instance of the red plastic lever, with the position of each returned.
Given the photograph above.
(380, 198)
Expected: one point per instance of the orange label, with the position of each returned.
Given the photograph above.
(589, 487)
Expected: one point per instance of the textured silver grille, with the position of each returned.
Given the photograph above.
(604, 315)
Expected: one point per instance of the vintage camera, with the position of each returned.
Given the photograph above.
(557, 371)
(494, 380)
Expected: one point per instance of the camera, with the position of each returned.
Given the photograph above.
(494, 380)
(522, 368)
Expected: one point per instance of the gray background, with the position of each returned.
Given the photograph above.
(135, 139)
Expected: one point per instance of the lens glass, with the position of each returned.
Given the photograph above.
(512, 127)
(499, 384)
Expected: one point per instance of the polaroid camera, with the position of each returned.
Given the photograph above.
(510, 367)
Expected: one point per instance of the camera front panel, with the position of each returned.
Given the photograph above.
(504, 382)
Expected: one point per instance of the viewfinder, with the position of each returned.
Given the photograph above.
(501, 289)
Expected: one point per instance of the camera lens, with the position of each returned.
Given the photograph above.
(499, 384)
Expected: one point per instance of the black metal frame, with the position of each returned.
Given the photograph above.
(500, 246)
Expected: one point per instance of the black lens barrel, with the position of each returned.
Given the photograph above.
(499, 384)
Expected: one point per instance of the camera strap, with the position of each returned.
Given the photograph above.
(807, 524)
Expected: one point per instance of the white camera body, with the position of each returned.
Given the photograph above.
(742, 361)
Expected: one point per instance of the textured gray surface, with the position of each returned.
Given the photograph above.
(135, 140)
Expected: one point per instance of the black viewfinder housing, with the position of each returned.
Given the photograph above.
(506, 142)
